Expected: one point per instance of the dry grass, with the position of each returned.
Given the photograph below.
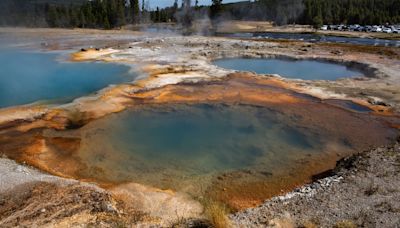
(345, 224)
(309, 224)
(217, 213)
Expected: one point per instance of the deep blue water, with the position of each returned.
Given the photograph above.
(299, 69)
(27, 77)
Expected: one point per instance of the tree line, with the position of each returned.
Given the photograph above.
(69, 14)
(365, 12)
(116, 13)
(316, 12)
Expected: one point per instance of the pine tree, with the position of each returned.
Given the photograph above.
(52, 16)
(216, 8)
(73, 17)
(106, 23)
(134, 10)
(157, 15)
(120, 14)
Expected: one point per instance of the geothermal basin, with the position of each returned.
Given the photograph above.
(191, 127)
(239, 140)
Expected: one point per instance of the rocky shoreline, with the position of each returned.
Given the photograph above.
(363, 191)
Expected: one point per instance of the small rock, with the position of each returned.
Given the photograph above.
(107, 207)
(337, 52)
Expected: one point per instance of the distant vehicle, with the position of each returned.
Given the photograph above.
(367, 28)
(376, 29)
(355, 28)
(363, 28)
(360, 29)
(387, 30)
(333, 27)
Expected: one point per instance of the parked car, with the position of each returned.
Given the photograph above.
(355, 28)
(395, 29)
(341, 27)
(387, 30)
(367, 28)
(360, 29)
(333, 27)
(376, 28)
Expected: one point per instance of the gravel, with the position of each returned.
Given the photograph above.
(364, 191)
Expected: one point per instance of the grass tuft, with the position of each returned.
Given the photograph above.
(345, 224)
(217, 213)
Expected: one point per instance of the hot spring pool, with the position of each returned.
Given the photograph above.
(27, 77)
(169, 146)
(240, 151)
(298, 69)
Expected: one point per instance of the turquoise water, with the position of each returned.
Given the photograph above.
(166, 146)
(299, 69)
(194, 147)
(27, 77)
(229, 138)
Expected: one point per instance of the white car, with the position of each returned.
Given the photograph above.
(387, 30)
(376, 29)
(324, 27)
